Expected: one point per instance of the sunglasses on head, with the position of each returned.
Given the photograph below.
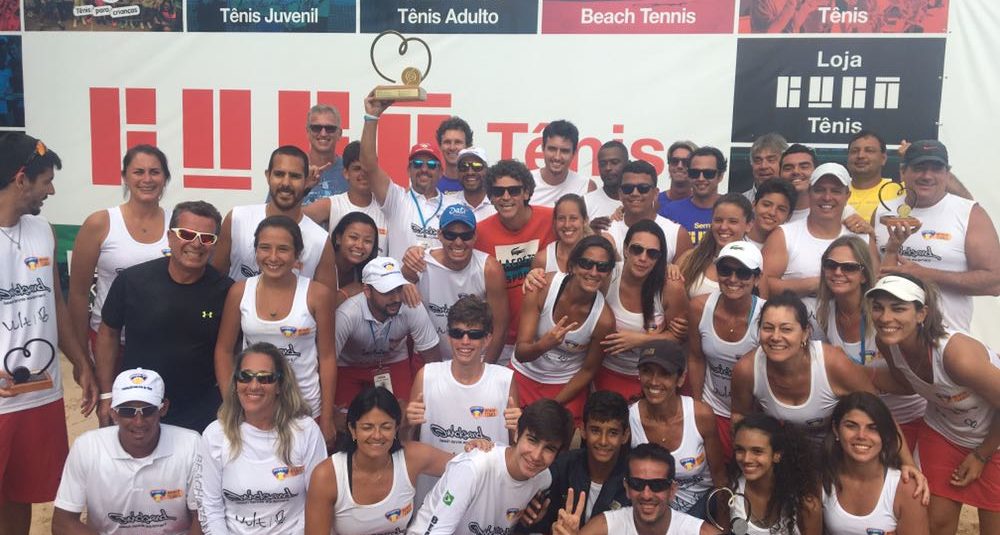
(451, 235)
(830, 264)
(639, 484)
(637, 250)
(743, 273)
(187, 234)
(602, 267)
(627, 189)
(475, 166)
(40, 150)
(319, 128)
(473, 334)
(513, 191)
(417, 163)
(264, 378)
(132, 412)
(709, 173)
(673, 160)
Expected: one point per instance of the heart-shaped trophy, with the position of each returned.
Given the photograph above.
(411, 76)
(902, 216)
(21, 379)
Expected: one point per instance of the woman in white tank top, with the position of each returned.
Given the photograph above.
(355, 243)
(731, 218)
(958, 375)
(777, 489)
(571, 224)
(288, 311)
(863, 491)
(645, 303)
(119, 237)
(368, 486)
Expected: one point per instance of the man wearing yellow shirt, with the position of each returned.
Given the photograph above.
(866, 155)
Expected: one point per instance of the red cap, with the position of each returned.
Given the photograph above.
(426, 148)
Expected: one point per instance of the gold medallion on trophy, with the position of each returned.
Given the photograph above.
(411, 76)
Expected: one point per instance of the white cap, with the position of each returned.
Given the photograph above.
(900, 288)
(137, 385)
(834, 169)
(478, 152)
(383, 274)
(743, 252)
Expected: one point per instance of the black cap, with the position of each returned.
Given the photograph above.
(667, 354)
(15, 150)
(925, 150)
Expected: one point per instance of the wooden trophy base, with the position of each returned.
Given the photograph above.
(41, 381)
(896, 221)
(400, 93)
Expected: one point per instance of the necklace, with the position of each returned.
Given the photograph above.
(381, 471)
(10, 235)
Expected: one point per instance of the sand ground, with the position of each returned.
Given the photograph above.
(77, 424)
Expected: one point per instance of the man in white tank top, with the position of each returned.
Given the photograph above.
(793, 251)
(31, 307)
(456, 269)
(651, 487)
(288, 178)
(955, 246)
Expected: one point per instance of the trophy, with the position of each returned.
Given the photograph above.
(902, 216)
(411, 76)
(25, 379)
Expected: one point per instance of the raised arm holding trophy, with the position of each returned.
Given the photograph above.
(411, 76)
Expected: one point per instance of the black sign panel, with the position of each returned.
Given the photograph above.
(824, 90)
(449, 16)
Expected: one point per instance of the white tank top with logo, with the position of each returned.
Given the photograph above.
(341, 205)
(388, 516)
(904, 409)
(551, 260)
(243, 258)
(813, 416)
(627, 363)
(805, 253)
(559, 364)
(959, 414)
(440, 287)
(693, 477)
(120, 250)
(880, 521)
(939, 244)
(294, 335)
(721, 356)
(456, 413)
(622, 522)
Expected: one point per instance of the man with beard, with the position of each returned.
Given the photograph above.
(287, 179)
(611, 160)
(765, 161)
(651, 487)
(471, 166)
(678, 160)
(706, 170)
(372, 328)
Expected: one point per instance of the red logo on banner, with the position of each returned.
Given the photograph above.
(108, 133)
(199, 134)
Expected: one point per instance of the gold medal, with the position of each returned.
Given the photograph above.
(411, 76)
(904, 210)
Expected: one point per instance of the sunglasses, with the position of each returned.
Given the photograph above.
(742, 273)
(132, 412)
(673, 160)
(473, 334)
(264, 378)
(452, 235)
(708, 173)
(40, 150)
(830, 264)
(475, 166)
(187, 234)
(637, 250)
(513, 191)
(639, 484)
(627, 189)
(319, 128)
(602, 267)
(418, 163)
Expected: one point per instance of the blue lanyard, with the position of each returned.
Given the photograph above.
(385, 339)
(862, 335)
(420, 213)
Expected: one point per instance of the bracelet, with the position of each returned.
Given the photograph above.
(104, 396)
(980, 458)
(371, 117)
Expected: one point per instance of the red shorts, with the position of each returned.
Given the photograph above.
(626, 385)
(352, 380)
(939, 458)
(530, 391)
(911, 430)
(33, 449)
(725, 427)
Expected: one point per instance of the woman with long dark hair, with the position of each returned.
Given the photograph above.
(570, 224)
(355, 243)
(731, 217)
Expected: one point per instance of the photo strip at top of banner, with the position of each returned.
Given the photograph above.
(10, 15)
(449, 16)
(843, 16)
(823, 90)
(11, 81)
(104, 15)
(280, 16)
(637, 16)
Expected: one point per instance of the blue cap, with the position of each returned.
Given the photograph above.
(458, 213)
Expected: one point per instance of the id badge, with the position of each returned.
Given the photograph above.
(384, 380)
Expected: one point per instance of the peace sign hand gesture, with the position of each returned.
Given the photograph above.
(557, 333)
(569, 516)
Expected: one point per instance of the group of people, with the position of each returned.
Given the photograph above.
(358, 356)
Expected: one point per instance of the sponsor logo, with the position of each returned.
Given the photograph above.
(874, 531)
(24, 292)
(289, 352)
(259, 496)
(166, 251)
(919, 254)
(137, 378)
(290, 331)
(512, 514)
(690, 462)
(207, 314)
(35, 262)
(476, 529)
(458, 432)
(280, 472)
(396, 514)
(815, 423)
(448, 498)
(248, 271)
(159, 495)
(953, 399)
(935, 235)
(482, 412)
(135, 519)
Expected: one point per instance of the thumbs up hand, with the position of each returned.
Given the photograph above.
(416, 410)
(511, 414)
